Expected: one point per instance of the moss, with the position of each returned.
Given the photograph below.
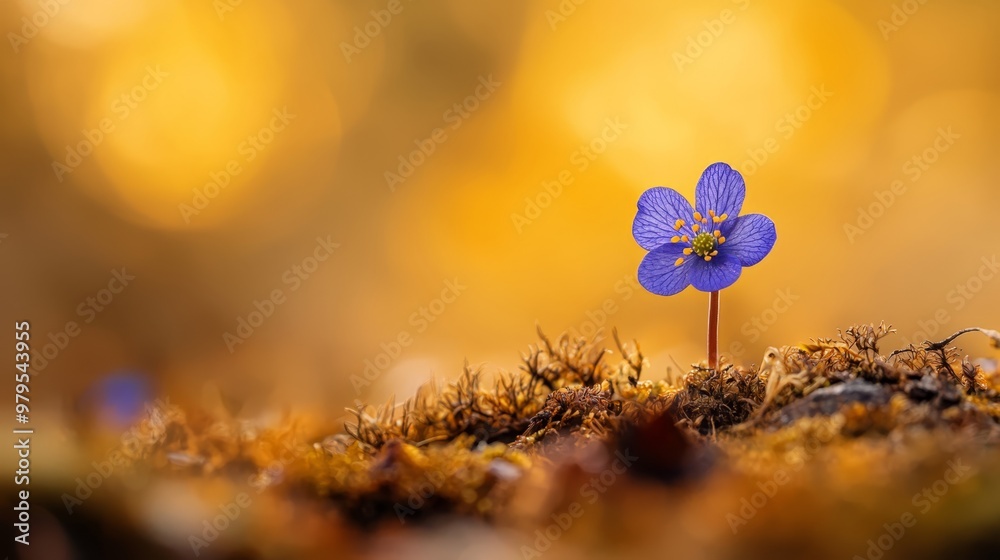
(470, 446)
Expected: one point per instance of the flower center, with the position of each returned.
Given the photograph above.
(703, 244)
(706, 238)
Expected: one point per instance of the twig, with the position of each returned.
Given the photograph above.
(935, 346)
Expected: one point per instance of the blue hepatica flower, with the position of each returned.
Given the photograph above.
(706, 246)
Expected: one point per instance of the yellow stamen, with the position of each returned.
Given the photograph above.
(679, 261)
(685, 238)
(723, 217)
(688, 251)
(679, 224)
(711, 213)
(708, 258)
(675, 239)
(695, 228)
(717, 233)
(697, 217)
(716, 219)
(722, 240)
(713, 253)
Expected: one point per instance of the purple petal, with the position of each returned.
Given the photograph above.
(721, 188)
(658, 272)
(659, 210)
(750, 239)
(710, 276)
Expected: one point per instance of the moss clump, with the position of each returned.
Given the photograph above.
(468, 447)
(408, 483)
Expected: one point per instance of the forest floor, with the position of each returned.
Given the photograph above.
(829, 449)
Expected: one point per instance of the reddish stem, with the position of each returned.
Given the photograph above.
(713, 330)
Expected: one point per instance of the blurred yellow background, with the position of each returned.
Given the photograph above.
(328, 201)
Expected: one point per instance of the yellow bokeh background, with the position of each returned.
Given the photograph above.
(511, 96)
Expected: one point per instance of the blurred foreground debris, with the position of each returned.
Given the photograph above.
(579, 427)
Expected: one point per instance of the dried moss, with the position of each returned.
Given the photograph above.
(465, 447)
(405, 482)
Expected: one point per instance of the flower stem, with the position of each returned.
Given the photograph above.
(713, 330)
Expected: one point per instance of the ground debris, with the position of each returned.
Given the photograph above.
(466, 447)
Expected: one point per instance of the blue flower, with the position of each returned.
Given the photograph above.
(706, 246)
